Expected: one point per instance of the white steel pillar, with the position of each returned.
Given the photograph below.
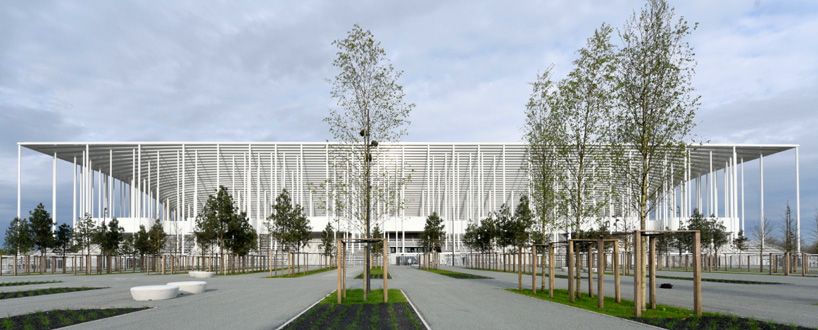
(712, 198)
(139, 181)
(742, 197)
(218, 167)
(797, 202)
(196, 182)
(110, 183)
(761, 197)
(19, 173)
(159, 209)
(54, 192)
(74, 195)
(184, 210)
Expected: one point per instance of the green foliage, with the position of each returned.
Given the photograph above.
(19, 237)
(156, 238)
(141, 242)
(356, 296)
(213, 223)
(108, 236)
(288, 223)
(712, 232)
(656, 101)
(740, 243)
(41, 223)
(790, 236)
(63, 239)
(521, 223)
(327, 246)
(433, 234)
(377, 247)
(241, 236)
(84, 233)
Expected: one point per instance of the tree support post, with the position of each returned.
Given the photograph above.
(551, 271)
(652, 265)
(386, 270)
(590, 259)
(570, 256)
(617, 279)
(697, 273)
(600, 271)
(637, 274)
(533, 269)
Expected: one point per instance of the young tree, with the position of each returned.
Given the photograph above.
(213, 221)
(763, 234)
(584, 112)
(288, 223)
(542, 143)
(142, 244)
(241, 236)
(109, 236)
(656, 101)
(377, 247)
(789, 230)
(83, 236)
(718, 234)
(41, 224)
(19, 238)
(63, 238)
(433, 233)
(327, 245)
(156, 238)
(740, 243)
(370, 109)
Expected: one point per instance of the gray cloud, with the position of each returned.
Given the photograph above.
(192, 70)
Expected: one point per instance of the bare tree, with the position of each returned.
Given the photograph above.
(762, 234)
(370, 108)
(657, 101)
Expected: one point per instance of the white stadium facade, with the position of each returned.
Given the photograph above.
(138, 182)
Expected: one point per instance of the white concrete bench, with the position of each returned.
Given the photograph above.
(190, 287)
(200, 274)
(154, 292)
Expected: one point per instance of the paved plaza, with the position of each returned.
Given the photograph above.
(254, 302)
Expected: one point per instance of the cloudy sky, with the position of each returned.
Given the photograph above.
(195, 70)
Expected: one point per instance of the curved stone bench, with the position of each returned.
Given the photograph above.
(190, 287)
(200, 274)
(154, 292)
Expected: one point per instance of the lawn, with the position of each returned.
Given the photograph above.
(374, 272)
(61, 318)
(27, 283)
(40, 292)
(664, 316)
(355, 313)
(301, 274)
(457, 275)
(704, 279)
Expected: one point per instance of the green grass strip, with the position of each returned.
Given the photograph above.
(704, 279)
(356, 296)
(40, 292)
(61, 318)
(301, 274)
(27, 283)
(374, 272)
(669, 317)
(457, 275)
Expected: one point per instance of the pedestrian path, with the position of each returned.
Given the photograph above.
(448, 303)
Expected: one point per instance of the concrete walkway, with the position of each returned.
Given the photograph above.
(239, 301)
(449, 303)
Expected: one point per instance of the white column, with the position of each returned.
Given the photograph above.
(505, 197)
(761, 197)
(797, 202)
(54, 192)
(184, 198)
(218, 167)
(74, 195)
(139, 181)
(19, 173)
(711, 205)
(742, 197)
(158, 199)
(110, 183)
(196, 182)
